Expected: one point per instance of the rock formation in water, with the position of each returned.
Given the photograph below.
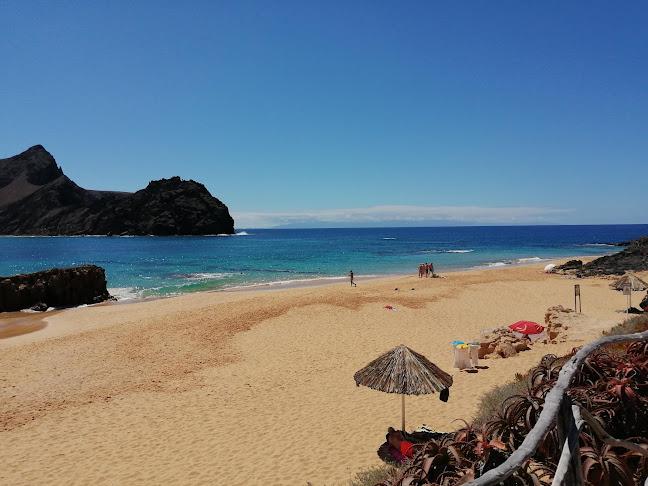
(58, 287)
(632, 259)
(36, 198)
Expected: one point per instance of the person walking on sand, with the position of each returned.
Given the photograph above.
(351, 277)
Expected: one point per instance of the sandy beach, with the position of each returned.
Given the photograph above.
(256, 387)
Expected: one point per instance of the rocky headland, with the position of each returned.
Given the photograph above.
(633, 259)
(58, 287)
(36, 198)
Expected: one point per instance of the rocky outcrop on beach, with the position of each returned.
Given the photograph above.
(632, 259)
(501, 343)
(571, 265)
(58, 287)
(563, 324)
(557, 323)
(36, 198)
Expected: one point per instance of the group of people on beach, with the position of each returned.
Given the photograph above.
(426, 270)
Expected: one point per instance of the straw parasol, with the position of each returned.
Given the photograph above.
(403, 371)
(635, 282)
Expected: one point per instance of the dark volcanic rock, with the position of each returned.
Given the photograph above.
(58, 287)
(170, 207)
(634, 258)
(571, 265)
(36, 165)
(40, 307)
(36, 198)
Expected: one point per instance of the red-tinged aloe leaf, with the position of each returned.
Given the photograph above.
(592, 470)
(458, 455)
(527, 419)
(469, 476)
(497, 444)
(631, 394)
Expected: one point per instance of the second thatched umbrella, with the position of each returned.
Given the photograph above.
(406, 372)
(635, 282)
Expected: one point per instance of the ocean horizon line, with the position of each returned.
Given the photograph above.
(243, 231)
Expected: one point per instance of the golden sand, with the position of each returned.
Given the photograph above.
(247, 388)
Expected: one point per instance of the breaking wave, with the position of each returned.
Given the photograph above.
(503, 263)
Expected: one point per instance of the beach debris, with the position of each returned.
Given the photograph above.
(389, 307)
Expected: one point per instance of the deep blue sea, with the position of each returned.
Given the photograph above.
(163, 266)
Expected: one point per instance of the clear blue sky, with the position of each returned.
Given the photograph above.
(329, 113)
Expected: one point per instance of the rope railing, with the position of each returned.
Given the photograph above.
(548, 416)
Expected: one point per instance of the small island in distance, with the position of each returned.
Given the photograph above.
(37, 199)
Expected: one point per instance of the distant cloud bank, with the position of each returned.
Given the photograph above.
(398, 216)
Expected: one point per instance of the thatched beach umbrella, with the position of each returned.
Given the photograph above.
(404, 371)
(635, 282)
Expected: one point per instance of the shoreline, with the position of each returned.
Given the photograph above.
(21, 322)
(153, 389)
(330, 280)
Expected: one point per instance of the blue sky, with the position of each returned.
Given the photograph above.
(338, 113)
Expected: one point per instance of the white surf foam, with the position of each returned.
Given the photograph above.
(503, 263)
(240, 233)
(206, 276)
(125, 293)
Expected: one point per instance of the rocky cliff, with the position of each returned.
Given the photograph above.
(36, 198)
(58, 287)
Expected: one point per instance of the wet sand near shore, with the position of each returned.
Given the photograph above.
(14, 324)
(244, 388)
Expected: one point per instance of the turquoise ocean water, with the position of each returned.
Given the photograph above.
(139, 267)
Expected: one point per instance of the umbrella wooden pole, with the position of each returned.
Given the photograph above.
(403, 402)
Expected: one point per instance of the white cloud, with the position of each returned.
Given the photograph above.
(391, 215)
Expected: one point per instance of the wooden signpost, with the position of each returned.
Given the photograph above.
(627, 290)
(577, 295)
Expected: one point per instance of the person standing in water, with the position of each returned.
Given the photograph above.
(351, 277)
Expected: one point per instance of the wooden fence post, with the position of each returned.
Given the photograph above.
(569, 422)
